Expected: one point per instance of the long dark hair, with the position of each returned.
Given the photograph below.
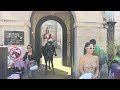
(32, 49)
(93, 41)
(86, 45)
(30, 46)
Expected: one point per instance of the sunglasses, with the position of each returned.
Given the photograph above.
(91, 48)
(28, 48)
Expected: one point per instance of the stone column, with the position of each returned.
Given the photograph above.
(110, 39)
(3, 61)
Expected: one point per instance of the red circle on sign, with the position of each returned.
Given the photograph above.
(15, 52)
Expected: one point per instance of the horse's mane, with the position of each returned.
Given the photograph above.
(49, 47)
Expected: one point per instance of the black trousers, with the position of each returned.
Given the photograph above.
(38, 62)
(40, 56)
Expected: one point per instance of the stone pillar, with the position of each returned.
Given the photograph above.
(110, 39)
(75, 69)
(3, 61)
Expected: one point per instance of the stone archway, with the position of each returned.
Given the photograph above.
(68, 28)
(64, 36)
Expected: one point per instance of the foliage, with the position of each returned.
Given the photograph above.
(113, 53)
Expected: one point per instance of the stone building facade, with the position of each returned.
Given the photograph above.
(85, 25)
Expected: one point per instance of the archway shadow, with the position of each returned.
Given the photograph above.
(59, 74)
(40, 74)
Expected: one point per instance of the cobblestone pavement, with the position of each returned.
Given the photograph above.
(61, 72)
(40, 74)
(104, 72)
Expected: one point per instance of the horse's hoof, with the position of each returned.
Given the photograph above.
(55, 54)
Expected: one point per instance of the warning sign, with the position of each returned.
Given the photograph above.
(15, 52)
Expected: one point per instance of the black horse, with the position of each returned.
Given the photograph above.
(48, 51)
